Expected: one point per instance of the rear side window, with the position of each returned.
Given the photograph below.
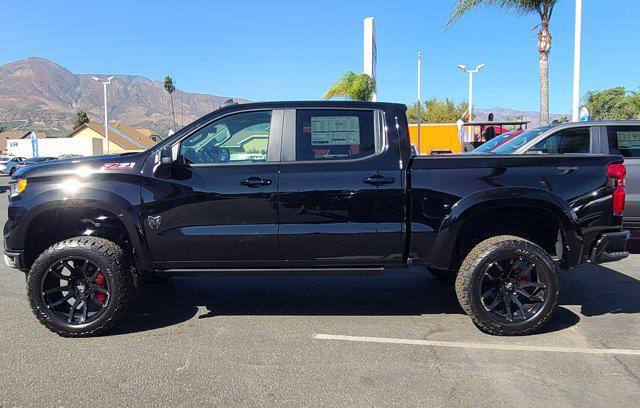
(334, 134)
(566, 141)
(624, 140)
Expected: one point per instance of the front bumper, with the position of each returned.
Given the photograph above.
(14, 259)
(610, 247)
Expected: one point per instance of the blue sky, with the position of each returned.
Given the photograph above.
(275, 50)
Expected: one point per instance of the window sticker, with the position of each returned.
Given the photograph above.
(628, 140)
(335, 130)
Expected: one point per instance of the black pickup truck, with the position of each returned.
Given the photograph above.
(310, 187)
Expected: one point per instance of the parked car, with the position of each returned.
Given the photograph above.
(28, 162)
(7, 164)
(70, 156)
(337, 192)
(496, 142)
(605, 137)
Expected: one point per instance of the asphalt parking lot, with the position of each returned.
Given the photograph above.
(398, 339)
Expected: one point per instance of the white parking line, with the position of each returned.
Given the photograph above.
(483, 346)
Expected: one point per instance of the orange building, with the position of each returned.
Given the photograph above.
(436, 138)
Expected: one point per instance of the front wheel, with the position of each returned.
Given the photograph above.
(80, 287)
(508, 286)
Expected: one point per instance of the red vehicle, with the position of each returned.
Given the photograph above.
(497, 141)
(486, 131)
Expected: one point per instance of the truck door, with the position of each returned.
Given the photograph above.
(340, 189)
(219, 206)
(625, 140)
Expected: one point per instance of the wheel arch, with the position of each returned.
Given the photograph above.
(99, 213)
(510, 202)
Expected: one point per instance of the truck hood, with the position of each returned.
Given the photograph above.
(122, 163)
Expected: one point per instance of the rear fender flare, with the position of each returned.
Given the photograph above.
(496, 198)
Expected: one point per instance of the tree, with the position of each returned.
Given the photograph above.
(170, 88)
(437, 111)
(544, 8)
(613, 104)
(352, 86)
(81, 119)
(2, 128)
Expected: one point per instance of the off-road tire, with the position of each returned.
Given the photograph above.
(113, 264)
(473, 267)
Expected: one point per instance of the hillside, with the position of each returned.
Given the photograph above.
(36, 93)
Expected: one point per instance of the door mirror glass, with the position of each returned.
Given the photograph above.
(166, 158)
(164, 162)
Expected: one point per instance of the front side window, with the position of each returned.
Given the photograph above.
(566, 141)
(334, 134)
(243, 137)
(624, 140)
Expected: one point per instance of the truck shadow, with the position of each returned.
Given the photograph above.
(596, 289)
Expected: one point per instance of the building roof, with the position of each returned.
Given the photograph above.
(125, 136)
(23, 134)
(10, 134)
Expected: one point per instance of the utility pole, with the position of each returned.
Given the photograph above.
(106, 112)
(419, 98)
(575, 116)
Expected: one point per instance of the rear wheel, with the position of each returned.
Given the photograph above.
(508, 286)
(81, 286)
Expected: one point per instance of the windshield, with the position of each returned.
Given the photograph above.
(491, 144)
(520, 140)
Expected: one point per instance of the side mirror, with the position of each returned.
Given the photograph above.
(166, 156)
(164, 163)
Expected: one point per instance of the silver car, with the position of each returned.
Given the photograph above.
(605, 137)
(8, 164)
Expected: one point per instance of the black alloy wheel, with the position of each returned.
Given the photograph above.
(75, 290)
(511, 289)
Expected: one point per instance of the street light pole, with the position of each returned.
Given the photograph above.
(106, 112)
(419, 98)
(471, 95)
(471, 72)
(576, 62)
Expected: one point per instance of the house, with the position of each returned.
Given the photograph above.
(122, 138)
(10, 134)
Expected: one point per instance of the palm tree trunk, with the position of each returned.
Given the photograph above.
(173, 112)
(544, 88)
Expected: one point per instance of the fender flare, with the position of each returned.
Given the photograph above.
(93, 199)
(496, 198)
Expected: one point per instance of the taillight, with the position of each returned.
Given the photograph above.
(617, 173)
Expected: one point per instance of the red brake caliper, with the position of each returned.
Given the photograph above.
(520, 276)
(100, 281)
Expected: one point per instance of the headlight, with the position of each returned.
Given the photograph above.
(17, 188)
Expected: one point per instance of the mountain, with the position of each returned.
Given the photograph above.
(500, 113)
(36, 93)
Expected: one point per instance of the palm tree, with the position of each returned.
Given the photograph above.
(544, 8)
(354, 87)
(170, 88)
